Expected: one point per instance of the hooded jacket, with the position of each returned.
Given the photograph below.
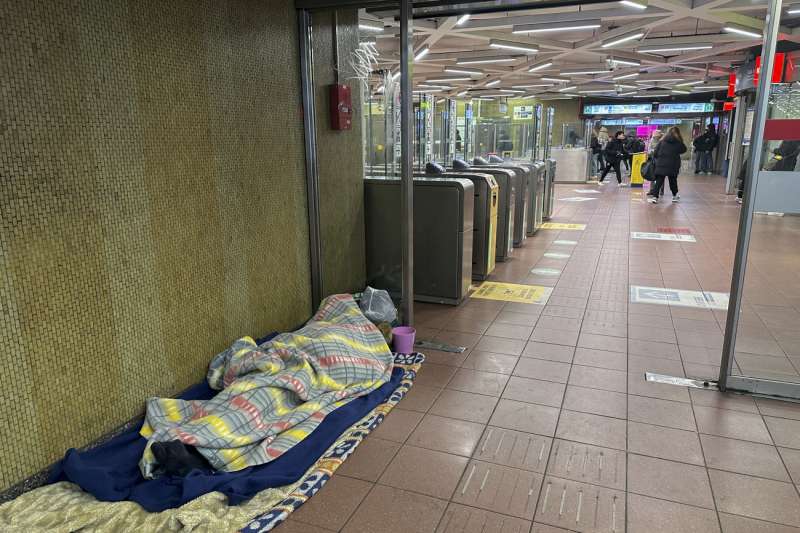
(668, 156)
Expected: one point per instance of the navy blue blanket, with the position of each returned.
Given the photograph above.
(110, 471)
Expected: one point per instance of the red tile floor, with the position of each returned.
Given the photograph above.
(546, 424)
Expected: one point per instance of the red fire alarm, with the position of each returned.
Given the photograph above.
(341, 107)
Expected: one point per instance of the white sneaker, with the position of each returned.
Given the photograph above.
(738, 200)
(653, 200)
(601, 183)
(676, 198)
(623, 185)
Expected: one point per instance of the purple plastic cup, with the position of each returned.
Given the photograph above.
(403, 339)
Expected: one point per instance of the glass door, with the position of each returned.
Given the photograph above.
(761, 351)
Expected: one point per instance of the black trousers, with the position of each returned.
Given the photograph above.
(659, 185)
(609, 166)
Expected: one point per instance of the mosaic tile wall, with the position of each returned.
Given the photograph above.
(152, 205)
(339, 153)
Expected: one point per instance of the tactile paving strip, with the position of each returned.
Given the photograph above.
(587, 463)
(463, 519)
(514, 448)
(581, 507)
(499, 488)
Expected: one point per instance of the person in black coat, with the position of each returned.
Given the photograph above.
(613, 154)
(703, 149)
(667, 156)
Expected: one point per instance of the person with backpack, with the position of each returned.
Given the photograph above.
(667, 156)
(703, 149)
(613, 154)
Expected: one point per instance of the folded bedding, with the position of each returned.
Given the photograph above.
(274, 395)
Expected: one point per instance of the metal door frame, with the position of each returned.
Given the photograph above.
(727, 381)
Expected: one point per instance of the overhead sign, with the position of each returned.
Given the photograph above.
(617, 109)
(692, 107)
(523, 112)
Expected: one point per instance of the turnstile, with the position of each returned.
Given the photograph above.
(522, 176)
(506, 205)
(443, 218)
(549, 188)
(536, 198)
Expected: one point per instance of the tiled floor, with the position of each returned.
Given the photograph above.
(546, 424)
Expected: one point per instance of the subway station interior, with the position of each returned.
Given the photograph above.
(399, 266)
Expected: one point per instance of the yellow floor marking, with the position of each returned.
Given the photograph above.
(511, 292)
(559, 225)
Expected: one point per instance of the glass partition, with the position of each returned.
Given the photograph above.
(761, 351)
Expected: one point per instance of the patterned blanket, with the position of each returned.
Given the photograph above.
(274, 395)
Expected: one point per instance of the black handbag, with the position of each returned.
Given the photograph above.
(649, 169)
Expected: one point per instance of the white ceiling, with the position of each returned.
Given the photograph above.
(662, 23)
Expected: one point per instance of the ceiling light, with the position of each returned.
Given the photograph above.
(674, 48)
(532, 86)
(492, 83)
(462, 93)
(620, 40)
(710, 87)
(688, 83)
(582, 72)
(794, 10)
(379, 89)
(395, 75)
(478, 60)
(426, 91)
(563, 89)
(622, 86)
(422, 53)
(558, 26)
(679, 91)
(510, 45)
(447, 80)
(555, 80)
(540, 66)
(596, 91)
(635, 5)
(655, 80)
(512, 91)
(747, 32)
(628, 62)
(627, 94)
(462, 19)
(370, 26)
(625, 76)
(427, 86)
(483, 98)
(470, 71)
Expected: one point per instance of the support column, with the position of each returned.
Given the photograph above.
(406, 160)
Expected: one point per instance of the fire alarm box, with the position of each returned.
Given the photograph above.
(341, 107)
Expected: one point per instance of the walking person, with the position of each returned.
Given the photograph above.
(655, 137)
(703, 149)
(667, 157)
(597, 161)
(613, 154)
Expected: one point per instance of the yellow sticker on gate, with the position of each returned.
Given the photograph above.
(511, 292)
(559, 225)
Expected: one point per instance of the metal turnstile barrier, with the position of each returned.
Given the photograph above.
(521, 178)
(443, 219)
(549, 188)
(536, 198)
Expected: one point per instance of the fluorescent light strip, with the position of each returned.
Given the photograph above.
(622, 86)
(511, 91)
(582, 72)
(678, 91)
(625, 76)
(544, 28)
(795, 11)
(422, 53)
(509, 45)
(742, 31)
(477, 61)
(567, 89)
(462, 19)
(532, 86)
(427, 86)
(627, 62)
(462, 93)
(710, 87)
(493, 83)
(597, 91)
(627, 94)
(657, 80)
(541, 66)
(630, 3)
(555, 80)
(688, 83)
(446, 80)
(370, 27)
(621, 40)
(426, 91)
(395, 75)
(456, 70)
(676, 48)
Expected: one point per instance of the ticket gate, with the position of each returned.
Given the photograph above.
(522, 175)
(484, 226)
(443, 219)
(506, 205)
(536, 198)
(549, 188)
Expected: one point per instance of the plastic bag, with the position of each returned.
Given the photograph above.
(377, 306)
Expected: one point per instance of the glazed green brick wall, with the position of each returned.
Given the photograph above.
(152, 205)
(339, 156)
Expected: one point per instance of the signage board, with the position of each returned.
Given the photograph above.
(523, 112)
(617, 109)
(689, 107)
